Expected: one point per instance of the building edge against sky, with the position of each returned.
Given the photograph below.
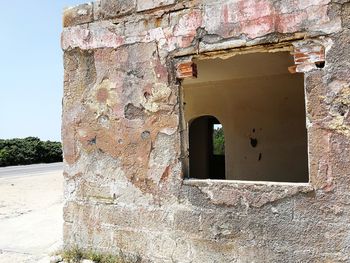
(31, 69)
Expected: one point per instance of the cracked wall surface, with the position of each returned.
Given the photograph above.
(122, 133)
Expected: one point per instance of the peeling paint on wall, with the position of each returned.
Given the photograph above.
(122, 132)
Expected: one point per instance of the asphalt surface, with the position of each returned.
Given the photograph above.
(31, 205)
(29, 170)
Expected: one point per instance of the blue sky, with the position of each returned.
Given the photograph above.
(31, 68)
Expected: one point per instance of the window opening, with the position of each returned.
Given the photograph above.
(262, 107)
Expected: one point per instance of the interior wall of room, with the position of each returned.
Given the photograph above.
(264, 124)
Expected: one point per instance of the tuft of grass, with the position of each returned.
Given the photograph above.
(76, 255)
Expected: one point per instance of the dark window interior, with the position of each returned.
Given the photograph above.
(207, 156)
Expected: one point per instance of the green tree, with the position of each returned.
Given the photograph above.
(219, 141)
(29, 151)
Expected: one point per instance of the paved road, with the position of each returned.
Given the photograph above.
(31, 203)
(28, 170)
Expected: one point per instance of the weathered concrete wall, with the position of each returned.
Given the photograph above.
(122, 133)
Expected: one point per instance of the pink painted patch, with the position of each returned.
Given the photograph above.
(185, 41)
(102, 95)
(247, 10)
(288, 23)
(188, 23)
(225, 13)
(161, 71)
(258, 27)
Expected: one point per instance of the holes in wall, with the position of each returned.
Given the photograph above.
(262, 110)
(320, 64)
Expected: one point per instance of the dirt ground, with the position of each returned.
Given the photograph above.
(30, 217)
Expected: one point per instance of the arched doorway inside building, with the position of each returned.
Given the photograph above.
(206, 148)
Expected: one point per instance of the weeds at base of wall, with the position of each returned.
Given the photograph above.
(76, 255)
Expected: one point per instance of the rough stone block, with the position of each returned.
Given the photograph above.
(80, 14)
(107, 9)
(253, 18)
(346, 15)
(137, 218)
(188, 221)
(144, 5)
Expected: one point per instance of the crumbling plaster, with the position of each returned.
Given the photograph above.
(122, 133)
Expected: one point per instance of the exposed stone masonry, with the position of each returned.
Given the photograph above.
(122, 133)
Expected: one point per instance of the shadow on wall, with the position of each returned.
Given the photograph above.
(207, 148)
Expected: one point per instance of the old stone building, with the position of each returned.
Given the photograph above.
(148, 83)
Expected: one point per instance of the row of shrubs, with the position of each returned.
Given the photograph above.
(29, 150)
